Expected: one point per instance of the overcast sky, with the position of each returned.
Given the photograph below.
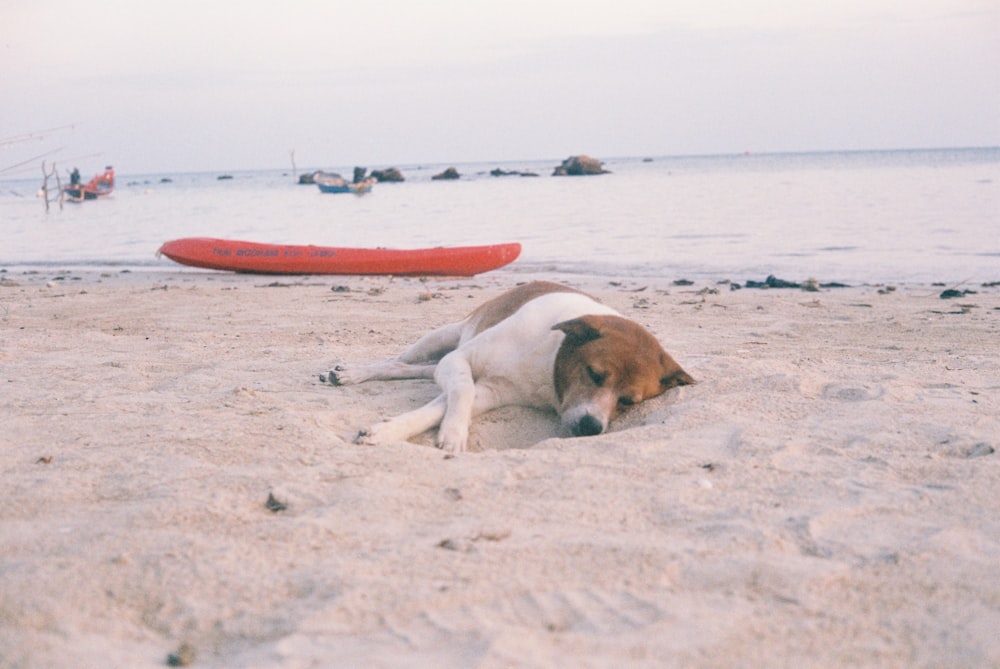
(184, 86)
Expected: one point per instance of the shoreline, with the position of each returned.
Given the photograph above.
(522, 272)
(179, 481)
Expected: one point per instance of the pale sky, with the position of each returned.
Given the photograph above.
(187, 86)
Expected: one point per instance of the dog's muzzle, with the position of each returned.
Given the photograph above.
(587, 426)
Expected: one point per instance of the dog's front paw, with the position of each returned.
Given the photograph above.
(452, 440)
(379, 433)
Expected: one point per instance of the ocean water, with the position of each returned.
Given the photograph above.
(917, 216)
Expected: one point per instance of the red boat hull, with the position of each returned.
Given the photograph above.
(100, 186)
(239, 256)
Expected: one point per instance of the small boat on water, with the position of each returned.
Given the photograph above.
(331, 182)
(257, 258)
(101, 185)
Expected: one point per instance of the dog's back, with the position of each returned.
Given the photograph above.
(492, 312)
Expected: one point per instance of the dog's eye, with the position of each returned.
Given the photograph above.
(625, 401)
(596, 377)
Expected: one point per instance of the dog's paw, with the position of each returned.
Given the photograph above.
(340, 375)
(365, 437)
(452, 440)
(379, 433)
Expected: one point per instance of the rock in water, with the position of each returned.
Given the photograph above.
(580, 166)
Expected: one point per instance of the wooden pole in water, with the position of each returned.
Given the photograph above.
(45, 187)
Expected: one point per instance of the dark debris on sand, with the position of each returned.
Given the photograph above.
(774, 282)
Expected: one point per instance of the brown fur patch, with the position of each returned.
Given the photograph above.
(490, 313)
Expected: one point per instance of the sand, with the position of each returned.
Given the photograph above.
(179, 486)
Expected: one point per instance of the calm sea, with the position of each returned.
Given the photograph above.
(857, 217)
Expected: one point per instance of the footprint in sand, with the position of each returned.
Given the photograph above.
(850, 393)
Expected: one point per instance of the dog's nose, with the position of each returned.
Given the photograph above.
(587, 426)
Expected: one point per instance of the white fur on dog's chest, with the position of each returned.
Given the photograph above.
(517, 355)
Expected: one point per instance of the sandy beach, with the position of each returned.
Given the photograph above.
(180, 487)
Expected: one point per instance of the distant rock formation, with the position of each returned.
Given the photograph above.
(391, 174)
(579, 166)
(497, 172)
(450, 173)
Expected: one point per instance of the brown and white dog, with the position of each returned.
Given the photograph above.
(539, 345)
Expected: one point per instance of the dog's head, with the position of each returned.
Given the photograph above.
(606, 364)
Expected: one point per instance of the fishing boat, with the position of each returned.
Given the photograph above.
(253, 257)
(101, 185)
(331, 182)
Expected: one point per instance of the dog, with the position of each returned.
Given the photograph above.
(540, 345)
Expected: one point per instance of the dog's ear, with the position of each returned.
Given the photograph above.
(674, 376)
(580, 330)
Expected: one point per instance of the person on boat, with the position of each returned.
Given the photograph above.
(74, 177)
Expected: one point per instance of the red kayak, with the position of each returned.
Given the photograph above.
(237, 256)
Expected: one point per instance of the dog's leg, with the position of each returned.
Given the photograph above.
(454, 375)
(466, 399)
(434, 345)
(416, 362)
(389, 370)
(405, 426)
(454, 433)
